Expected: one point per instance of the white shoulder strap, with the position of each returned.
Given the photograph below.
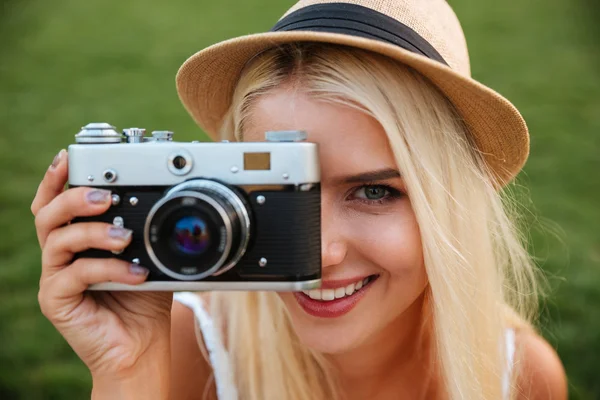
(219, 359)
(510, 358)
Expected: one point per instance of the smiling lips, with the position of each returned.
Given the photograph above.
(335, 298)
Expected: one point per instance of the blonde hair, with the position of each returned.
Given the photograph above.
(481, 278)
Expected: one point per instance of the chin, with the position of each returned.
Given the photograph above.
(326, 336)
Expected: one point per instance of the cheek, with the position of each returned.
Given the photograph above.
(390, 242)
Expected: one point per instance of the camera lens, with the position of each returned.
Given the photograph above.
(200, 228)
(190, 235)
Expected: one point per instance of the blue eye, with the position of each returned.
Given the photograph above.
(376, 194)
(373, 192)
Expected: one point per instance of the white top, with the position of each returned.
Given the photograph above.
(226, 389)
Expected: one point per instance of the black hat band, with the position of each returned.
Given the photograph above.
(355, 20)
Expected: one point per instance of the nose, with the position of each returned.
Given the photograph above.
(333, 244)
(333, 253)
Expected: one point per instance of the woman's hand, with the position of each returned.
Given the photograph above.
(118, 335)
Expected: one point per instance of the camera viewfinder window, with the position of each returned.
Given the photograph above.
(257, 161)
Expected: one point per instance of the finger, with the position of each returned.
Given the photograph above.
(53, 183)
(63, 243)
(77, 202)
(63, 292)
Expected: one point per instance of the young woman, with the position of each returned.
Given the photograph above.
(427, 291)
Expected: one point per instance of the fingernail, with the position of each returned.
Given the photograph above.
(98, 196)
(135, 269)
(117, 232)
(57, 159)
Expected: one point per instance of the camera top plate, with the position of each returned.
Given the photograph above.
(102, 160)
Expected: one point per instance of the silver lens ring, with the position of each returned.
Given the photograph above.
(240, 209)
(217, 207)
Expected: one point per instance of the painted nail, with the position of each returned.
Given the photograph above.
(57, 159)
(135, 269)
(98, 196)
(117, 232)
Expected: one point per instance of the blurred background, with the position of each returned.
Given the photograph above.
(64, 63)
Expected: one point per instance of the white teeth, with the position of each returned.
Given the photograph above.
(327, 294)
(332, 294)
(349, 289)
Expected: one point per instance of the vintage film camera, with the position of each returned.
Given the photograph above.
(207, 216)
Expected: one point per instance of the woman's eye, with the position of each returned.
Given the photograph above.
(375, 193)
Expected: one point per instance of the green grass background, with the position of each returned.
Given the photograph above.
(64, 63)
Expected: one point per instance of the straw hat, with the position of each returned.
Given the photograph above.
(423, 34)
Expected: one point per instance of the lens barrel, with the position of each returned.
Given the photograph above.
(198, 229)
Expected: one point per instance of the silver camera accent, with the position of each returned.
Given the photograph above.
(180, 163)
(201, 286)
(162, 136)
(285, 136)
(134, 135)
(98, 133)
(110, 175)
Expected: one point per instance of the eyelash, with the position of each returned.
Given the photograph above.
(392, 194)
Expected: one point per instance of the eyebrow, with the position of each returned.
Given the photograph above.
(371, 176)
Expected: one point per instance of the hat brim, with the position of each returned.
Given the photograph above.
(206, 81)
